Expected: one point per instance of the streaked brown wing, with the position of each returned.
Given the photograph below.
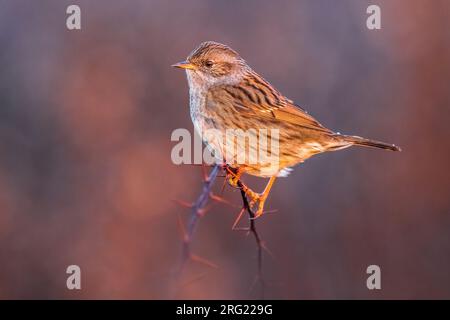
(293, 114)
(255, 97)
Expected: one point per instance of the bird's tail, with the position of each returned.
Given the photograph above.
(359, 141)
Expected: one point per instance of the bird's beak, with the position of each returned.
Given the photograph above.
(184, 65)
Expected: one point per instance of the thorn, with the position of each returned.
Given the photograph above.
(223, 186)
(205, 174)
(200, 212)
(264, 212)
(183, 203)
(263, 245)
(221, 200)
(182, 228)
(256, 217)
(203, 211)
(246, 229)
(238, 219)
(194, 279)
(203, 261)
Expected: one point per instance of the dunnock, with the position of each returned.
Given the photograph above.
(225, 93)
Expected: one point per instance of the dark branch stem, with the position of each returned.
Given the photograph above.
(196, 214)
(259, 243)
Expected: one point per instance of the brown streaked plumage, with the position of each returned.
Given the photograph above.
(225, 93)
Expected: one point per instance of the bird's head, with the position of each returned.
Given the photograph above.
(212, 64)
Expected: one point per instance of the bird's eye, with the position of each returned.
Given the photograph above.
(208, 63)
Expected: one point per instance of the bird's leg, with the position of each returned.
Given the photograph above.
(233, 178)
(254, 196)
(261, 197)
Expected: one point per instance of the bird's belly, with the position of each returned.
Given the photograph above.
(243, 148)
(210, 134)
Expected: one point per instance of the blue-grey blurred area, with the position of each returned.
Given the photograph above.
(86, 176)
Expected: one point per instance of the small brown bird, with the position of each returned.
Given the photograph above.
(225, 93)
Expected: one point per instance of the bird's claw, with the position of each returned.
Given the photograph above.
(233, 179)
(259, 199)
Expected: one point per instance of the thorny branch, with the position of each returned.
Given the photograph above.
(198, 209)
(259, 243)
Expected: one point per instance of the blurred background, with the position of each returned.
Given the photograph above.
(86, 176)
